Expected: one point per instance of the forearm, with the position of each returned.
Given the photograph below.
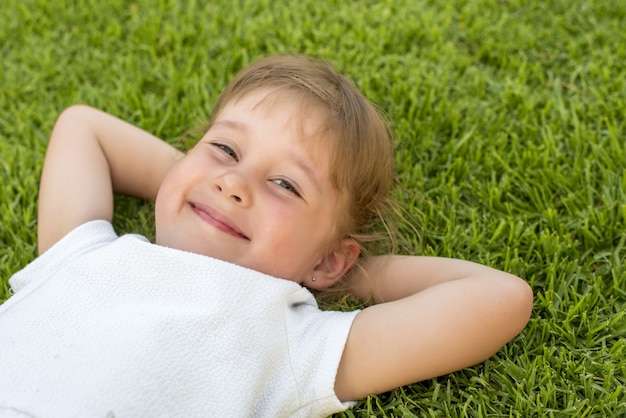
(137, 160)
(393, 277)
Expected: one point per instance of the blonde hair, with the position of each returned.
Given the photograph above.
(362, 146)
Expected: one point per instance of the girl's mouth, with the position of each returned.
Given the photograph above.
(217, 220)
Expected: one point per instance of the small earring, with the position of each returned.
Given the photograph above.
(313, 278)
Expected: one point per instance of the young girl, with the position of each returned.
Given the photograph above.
(279, 196)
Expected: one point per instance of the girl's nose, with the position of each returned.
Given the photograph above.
(234, 187)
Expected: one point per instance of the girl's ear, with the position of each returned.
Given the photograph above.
(334, 265)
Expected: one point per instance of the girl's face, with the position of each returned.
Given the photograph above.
(254, 191)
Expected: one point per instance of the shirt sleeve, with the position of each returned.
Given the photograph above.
(316, 343)
(80, 240)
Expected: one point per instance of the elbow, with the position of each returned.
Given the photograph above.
(519, 302)
(525, 299)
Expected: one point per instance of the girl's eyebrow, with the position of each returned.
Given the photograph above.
(236, 125)
(305, 167)
(300, 162)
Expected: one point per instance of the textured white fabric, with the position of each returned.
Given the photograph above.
(102, 325)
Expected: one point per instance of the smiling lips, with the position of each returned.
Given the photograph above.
(218, 221)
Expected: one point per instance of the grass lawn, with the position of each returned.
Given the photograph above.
(511, 137)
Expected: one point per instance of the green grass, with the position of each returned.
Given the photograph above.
(510, 120)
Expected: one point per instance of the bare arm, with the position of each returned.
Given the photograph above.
(439, 315)
(90, 156)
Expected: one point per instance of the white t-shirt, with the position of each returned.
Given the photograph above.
(110, 326)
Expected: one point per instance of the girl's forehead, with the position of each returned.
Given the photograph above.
(269, 101)
(310, 118)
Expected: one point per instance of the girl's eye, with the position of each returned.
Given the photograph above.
(287, 186)
(227, 150)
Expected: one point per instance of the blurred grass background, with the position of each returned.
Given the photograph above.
(510, 124)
